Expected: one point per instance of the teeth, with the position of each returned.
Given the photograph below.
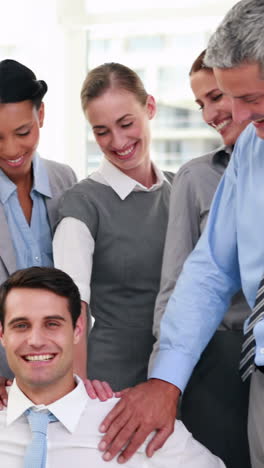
(125, 153)
(259, 120)
(15, 160)
(40, 357)
(222, 125)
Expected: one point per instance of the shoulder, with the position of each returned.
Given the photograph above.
(86, 189)
(248, 150)
(96, 411)
(169, 175)
(83, 201)
(194, 169)
(59, 171)
(199, 164)
(3, 416)
(247, 142)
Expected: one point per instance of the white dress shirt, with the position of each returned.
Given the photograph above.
(73, 440)
(74, 237)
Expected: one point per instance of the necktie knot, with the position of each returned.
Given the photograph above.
(38, 421)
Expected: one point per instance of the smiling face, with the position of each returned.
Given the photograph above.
(216, 108)
(244, 85)
(39, 340)
(19, 137)
(121, 127)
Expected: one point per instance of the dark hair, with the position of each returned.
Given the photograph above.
(50, 279)
(18, 83)
(199, 64)
(111, 75)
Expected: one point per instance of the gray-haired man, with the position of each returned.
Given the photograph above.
(229, 255)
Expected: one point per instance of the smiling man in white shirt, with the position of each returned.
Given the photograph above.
(40, 325)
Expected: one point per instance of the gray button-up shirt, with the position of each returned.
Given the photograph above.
(192, 192)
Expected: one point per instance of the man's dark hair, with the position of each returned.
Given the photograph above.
(50, 279)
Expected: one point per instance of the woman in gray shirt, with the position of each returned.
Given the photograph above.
(112, 228)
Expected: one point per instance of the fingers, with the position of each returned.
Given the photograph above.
(150, 406)
(3, 392)
(111, 416)
(158, 440)
(89, 388)
(117, 437)
(121, 393)
(98, 389)
(108, 390)
(135, 442)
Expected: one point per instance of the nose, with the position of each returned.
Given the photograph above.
(35, 337)
(240, 111)
(9, 148)
(210, 113)
(118, 140)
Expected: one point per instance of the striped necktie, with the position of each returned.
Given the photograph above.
(36, 452)
(249, 345)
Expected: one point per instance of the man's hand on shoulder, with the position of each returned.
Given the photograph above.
(150, 406)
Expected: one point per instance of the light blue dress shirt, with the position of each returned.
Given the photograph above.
(32, 243)
(229, 254)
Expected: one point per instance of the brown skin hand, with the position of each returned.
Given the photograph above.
(150, 406)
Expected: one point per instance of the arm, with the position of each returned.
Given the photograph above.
(182, 235)
(73, 248)
(210, 277)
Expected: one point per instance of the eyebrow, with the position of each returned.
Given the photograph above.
(250, 95)
(47, 317)
(28, 124)
(213, 91)
(118, 121)
(199, 101)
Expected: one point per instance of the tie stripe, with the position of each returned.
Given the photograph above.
(246, 366)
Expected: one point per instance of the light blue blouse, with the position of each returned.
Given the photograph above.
(32, 243)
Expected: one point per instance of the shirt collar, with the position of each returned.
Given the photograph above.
(7, 187)
(222, 156)
(122, 184)
(40, 181)
(67, 409)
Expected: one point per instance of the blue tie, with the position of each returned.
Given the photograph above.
(36, 452)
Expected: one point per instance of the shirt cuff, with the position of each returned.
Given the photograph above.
(174, 367)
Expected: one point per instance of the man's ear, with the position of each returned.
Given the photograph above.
(79, 329)
(151, 107)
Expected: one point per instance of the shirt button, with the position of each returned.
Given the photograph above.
(37, 258)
